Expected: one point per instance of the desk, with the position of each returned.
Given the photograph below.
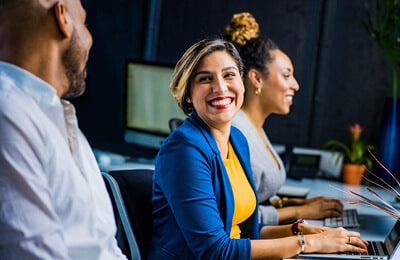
(109, 161)
(374, 224)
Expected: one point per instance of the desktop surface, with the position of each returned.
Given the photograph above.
(109, 161)
(374, 223)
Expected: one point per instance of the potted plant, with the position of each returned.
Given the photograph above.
(356, 155)
(383, 26)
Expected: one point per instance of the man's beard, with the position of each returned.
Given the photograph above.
(71, 60)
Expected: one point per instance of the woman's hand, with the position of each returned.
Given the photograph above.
(335, 240)
(311, 229)
(320, 207)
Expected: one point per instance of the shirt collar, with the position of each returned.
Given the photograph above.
(42, 92)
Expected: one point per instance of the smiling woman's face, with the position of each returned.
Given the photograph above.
(217, 89)
(280, 86)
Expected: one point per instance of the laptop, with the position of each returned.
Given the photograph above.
(349, 219)
(377, 249)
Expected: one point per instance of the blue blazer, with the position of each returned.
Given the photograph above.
(192, 197)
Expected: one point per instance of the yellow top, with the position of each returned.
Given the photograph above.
(243, 194)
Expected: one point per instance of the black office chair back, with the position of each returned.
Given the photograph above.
(136, 190)
(173, 123)
(125, 236)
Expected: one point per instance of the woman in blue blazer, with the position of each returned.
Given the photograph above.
(204, 207)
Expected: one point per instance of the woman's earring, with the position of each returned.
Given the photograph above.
(258, 91)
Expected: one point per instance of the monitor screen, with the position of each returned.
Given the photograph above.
(149, 103)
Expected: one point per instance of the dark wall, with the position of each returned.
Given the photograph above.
(343, 75)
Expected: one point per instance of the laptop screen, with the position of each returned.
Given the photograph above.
(393, 238)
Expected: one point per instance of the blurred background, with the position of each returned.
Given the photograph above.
(343, 75)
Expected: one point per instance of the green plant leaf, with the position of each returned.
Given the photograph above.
(383, 26)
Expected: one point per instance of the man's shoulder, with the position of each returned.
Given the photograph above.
(20, 116)
(13, 103)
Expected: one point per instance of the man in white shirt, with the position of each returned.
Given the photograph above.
(53, 201)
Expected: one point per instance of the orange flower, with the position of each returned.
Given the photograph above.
(356, 151)
(356, 131)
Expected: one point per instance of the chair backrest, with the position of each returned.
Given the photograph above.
(125, 236)
(135, 187)
(173, 123)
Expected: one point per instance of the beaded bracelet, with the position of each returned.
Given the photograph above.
(303, 242)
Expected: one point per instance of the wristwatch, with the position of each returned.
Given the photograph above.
(295, 226)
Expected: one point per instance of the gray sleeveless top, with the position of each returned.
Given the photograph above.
(268, 177)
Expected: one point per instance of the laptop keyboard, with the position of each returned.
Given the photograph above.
(376, 248)
(349, 219)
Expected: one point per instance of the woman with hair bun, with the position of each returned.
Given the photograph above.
(270, 88)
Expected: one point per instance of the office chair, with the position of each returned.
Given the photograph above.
(131, 192)
(125, 236)
(174, 123)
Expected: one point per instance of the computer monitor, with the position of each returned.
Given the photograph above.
(149, 103)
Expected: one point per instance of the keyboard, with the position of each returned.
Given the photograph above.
(377, 248)
(349, 219)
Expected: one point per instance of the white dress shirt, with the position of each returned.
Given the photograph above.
(53, 201)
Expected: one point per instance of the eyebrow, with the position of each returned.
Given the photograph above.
(287, 68)
(208, 72)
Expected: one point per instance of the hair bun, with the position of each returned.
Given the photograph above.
(243, 27)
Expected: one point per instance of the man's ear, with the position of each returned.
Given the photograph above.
(62, 20)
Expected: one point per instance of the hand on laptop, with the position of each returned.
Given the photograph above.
(336, 240)
(320, 207)
(311, 229)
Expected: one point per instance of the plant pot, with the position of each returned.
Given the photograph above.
(352, 173)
